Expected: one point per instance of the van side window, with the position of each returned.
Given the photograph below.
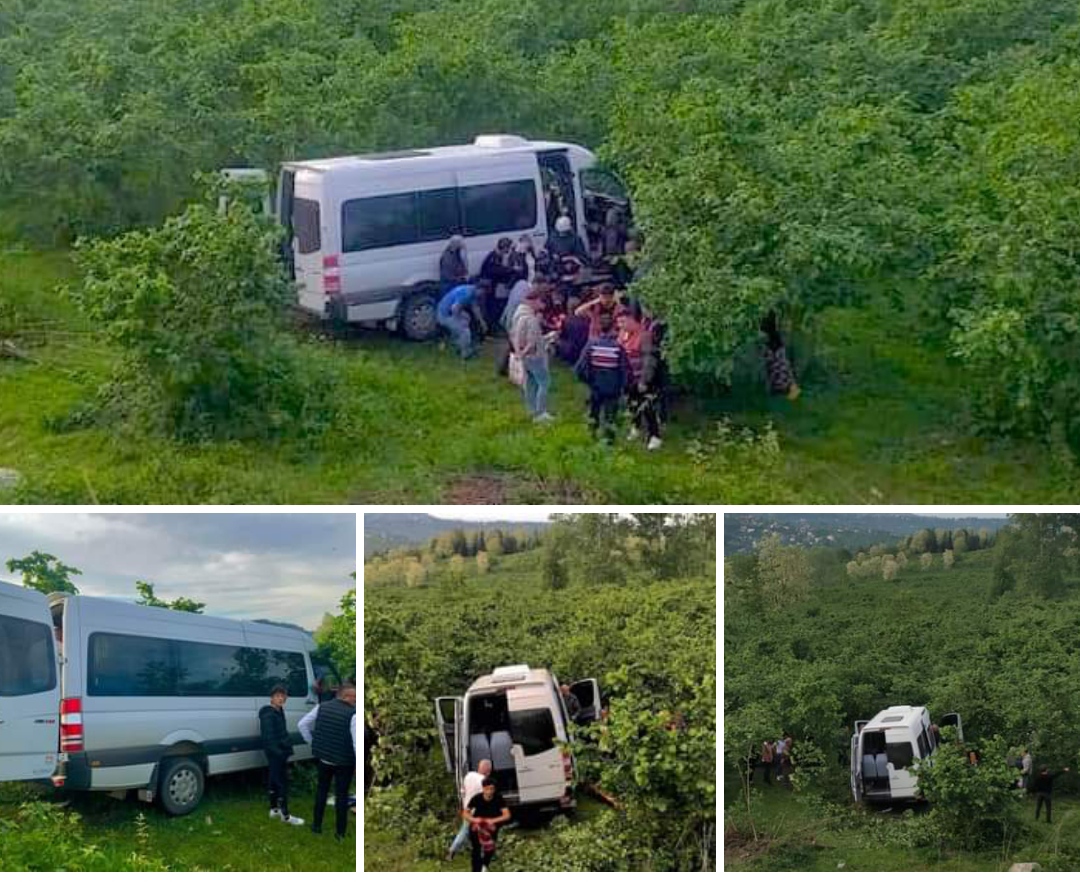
(924, 744)
(533, 729)
(505, 207)
(126, 665)
(439, 217)
(305, 224)
(27, 663)
(378, 222)
(900, 754)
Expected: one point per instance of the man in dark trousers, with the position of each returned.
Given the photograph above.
(604, 366)
(330, 728)
(277, 746)
(1043, 786)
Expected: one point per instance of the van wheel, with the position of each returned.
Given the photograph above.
(418, 317)
(181, 786)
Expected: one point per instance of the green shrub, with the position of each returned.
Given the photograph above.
(197, 307)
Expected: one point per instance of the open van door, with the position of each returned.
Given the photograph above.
(588, 694)
(952, 719)
(856, 763)
(29, 686)
(448, 710)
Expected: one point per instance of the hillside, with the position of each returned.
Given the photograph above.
(837, 530)
(385, 530)
(651, 645)
(853, 646)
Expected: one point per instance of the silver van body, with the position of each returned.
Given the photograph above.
(151, 699)
(516, 717)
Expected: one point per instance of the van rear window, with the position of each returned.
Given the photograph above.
(129, 665)
(305, 224)
(27, 658)
(533, 729)
(900, 754)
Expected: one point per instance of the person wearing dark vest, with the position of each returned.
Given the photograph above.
(277, 746)
(330, 729)
(603, 365)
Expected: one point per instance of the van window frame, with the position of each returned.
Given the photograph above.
(527, 187)
(517, 729)
(894, 748)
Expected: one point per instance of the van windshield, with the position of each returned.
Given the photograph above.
(27, 660)
(533, 729)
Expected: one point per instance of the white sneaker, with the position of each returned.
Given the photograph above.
(544, 417)
(275, 813)
(654, 443)
(292, 820)
(632, 434)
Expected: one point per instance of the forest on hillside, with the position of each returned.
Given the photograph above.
(813, 643)
(628, 601)
(781, 155)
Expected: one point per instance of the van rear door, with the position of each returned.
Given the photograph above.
(952, 719)
(447, 715)
(29, 686)
(856, 763)
(588, 694)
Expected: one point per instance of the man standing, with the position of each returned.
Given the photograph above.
(603, 365)
(767, 751)
(277, 746)
(528, 341)
(472, 785)
(484, 813)
(1044, 787)
(330, 729)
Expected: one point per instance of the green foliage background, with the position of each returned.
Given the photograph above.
(797, 154)
(1002, 655)
(650, 641)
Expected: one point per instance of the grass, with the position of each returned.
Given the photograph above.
(793, 838)
(230, 830)
(878, 423)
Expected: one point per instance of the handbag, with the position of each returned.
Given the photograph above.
(516, 370)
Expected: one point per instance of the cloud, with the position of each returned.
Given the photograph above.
(289, 566)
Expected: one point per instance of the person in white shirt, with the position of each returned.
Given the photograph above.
(470, 787)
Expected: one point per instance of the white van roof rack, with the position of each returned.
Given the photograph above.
(498, 141)
(508, 673)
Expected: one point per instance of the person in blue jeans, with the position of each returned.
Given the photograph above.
(458, 307)
(530, 344)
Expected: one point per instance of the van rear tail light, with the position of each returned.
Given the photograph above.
(331, 274)
(331, 261)
(71, 725)
(568, 767)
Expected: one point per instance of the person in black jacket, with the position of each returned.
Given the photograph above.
(603, 365)
(331, 730)
(1043, 786)
(277, 745)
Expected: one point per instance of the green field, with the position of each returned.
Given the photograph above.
(851, 646)
(877, 422)
(230, 831)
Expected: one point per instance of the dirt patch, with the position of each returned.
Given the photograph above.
(493, 489)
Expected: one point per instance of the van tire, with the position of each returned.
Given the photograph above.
(180, 785)
(418, 318)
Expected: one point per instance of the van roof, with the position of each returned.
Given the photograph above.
(902, 716)
(107, 606)
(484, 145)
(512, 676)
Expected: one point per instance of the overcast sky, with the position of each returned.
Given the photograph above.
(287, 567)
